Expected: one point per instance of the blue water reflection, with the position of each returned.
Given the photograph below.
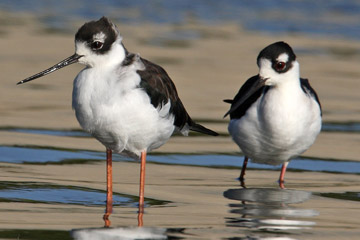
(18, 154)
(325, 17)
(62, 195)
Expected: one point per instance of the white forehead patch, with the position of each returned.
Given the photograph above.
(284, 57)
(99, 37)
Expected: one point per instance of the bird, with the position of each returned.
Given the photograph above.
(126, 102)
(276, 115)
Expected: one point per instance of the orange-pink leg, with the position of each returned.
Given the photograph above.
(142, 189)
(242, 174)
(282, 175)
(109, 193)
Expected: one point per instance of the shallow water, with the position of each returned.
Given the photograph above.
(257, 211)
(248, 213)
(325, 17)
(32, 192)
(17, 154)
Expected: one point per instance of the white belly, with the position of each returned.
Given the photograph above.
(119, 114)
(277, 128)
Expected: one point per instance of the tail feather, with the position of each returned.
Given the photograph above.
(201, 129)
(228, 101)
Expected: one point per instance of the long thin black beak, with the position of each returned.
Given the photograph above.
(259, 83)
(70, 60)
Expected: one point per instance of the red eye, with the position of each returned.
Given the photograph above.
(279, 66)
(96, 45)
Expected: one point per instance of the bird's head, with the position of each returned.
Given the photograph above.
(277, 62)
(97, 43)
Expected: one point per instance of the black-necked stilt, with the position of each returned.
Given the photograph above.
(126, 102)
(276, 115)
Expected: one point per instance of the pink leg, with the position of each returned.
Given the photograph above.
(142, 189)
(282, 175)
(242, 174)
(109, 193)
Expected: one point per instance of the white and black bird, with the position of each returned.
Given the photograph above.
(276, 115)
(126, 102)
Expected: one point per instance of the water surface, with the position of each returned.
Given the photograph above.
(324, 17)
(25, 154)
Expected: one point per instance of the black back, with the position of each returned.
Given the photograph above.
(161, 89)
(241, 110)
(158, 85)
(305, 86)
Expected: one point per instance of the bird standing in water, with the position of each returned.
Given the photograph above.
(276, 115)
(126, 102)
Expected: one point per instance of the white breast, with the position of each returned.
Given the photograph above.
(280, 125)
(109, 105)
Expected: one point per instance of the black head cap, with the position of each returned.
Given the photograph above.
(88, 32)
(273, 51)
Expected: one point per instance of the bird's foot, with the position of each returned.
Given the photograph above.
(106, 220)
(140, 215)
(281, 184)
(241, 179)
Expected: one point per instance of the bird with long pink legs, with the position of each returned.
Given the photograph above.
(126, 102)
(276, 115)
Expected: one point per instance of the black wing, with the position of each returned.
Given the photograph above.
(158, 85)
(305, 86)
(239, 111)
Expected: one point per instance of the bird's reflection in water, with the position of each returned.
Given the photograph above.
(125, 233)
(108, 212)
(269, 209)
(119, 233)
